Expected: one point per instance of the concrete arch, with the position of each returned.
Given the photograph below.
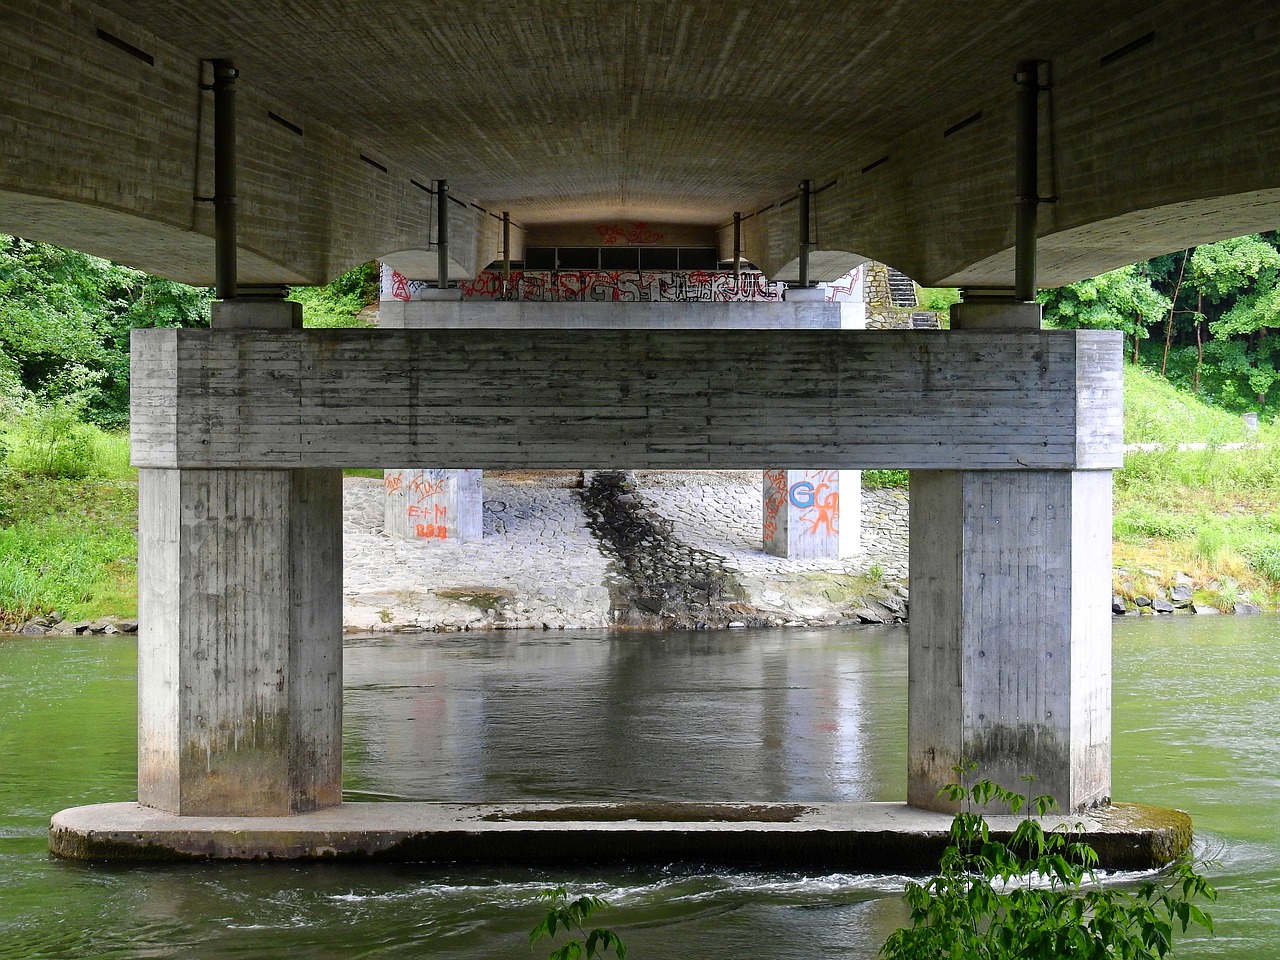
(423, 264)
(824, 266)
(155, 246)
(1093, 248)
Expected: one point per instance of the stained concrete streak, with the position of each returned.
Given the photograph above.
(540, 565)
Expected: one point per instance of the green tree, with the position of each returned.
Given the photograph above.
(65, 319)
(1122, 300)
(1242, 276)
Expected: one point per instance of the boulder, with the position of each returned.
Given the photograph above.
(1162, 606)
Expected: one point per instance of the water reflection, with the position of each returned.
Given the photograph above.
(772, 716)
(749, 716)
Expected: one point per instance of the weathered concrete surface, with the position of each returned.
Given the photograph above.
(853, 836)
(918, 148)
(240, 643)
(1010, 663)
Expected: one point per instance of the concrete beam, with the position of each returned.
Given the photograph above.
(498, 399)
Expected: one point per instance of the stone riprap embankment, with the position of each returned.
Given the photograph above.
(653, 549)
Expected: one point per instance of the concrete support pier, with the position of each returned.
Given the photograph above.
(428, 505)
(1010, 640)
(240, 637)
(811, 514)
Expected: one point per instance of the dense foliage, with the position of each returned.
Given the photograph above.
(1206, 318)
(65, 319)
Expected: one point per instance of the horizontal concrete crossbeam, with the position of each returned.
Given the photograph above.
(743, 399)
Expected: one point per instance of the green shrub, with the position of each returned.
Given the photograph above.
(1037, 896)
(49, 439)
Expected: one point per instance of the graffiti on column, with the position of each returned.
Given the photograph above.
(774, 501)
(433, 518)
(847, 289)
(817, 496)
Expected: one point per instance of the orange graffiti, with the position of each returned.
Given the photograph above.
(393, 482)
(828, 509)
(432, 531)
(424, 486)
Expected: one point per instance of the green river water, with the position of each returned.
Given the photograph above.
(741, 715)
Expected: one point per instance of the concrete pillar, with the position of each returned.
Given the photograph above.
(429, 505)
(240, 636)
(1010, 634)
(810, 514)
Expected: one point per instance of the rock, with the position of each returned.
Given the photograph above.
(34, 628)
(1118, 605)
(1182, 580)
(1142, 601)
(110, 630)
(1152, 573)
(1203, 609)
(1162, 606)
(1247, 609)
(866, 615)
(736, 624)
(1181, 594)
(128, 626)
(903, 592)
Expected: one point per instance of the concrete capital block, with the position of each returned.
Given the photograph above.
(996, 316)
(252, 314)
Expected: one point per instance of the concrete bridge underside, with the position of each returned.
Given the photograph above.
(1160, 124)
(1159, 127)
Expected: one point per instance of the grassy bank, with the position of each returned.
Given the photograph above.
(69, 543)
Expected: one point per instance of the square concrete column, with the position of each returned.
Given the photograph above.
(430, 505)
(1010, 634)
(240, 641)
(810, 514)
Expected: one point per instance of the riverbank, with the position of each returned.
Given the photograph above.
(658, 550)
(648, 550)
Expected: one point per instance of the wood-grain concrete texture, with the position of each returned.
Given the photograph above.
(739, 399)
(239, 640)
(1160, 130)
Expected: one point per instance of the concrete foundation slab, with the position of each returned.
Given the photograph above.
(881, 837)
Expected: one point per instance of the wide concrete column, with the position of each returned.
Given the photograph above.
(240, 636)
(1010, 634)
(431, 505)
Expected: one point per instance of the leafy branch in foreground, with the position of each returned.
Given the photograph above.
(1027, 898)
(572, 916)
